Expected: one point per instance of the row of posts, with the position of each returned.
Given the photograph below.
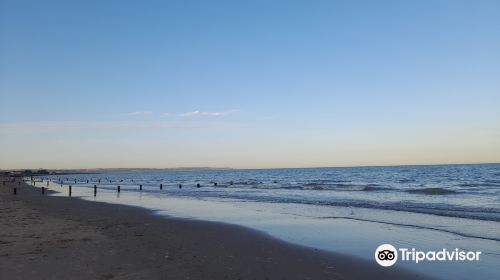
(118, 189)
(99, 181)
(95, 187)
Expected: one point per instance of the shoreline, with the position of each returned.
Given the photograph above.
(61, 237)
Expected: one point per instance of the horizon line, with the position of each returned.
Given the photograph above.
(259, 168)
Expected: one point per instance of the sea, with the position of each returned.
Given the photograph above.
(349, 210)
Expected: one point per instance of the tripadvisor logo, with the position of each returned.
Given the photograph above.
(387, 255)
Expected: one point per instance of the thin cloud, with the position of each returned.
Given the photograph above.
(165, 114)
(98, 125)
(211, 114)
(140, 113)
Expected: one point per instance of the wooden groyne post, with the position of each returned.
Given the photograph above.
(118, 188)
(95, 190)
(161, 186)
(69, 190)
(140, 187)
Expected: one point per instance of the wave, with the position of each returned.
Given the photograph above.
(432, 191)
(294, 186)
(327, 187)
(414, 226)
(406, 180)
(312, 187)
(440, 229)
(477, 213)
(375, 188)
(439, 209)
(485, 184)
(313, 184)
(446, 210)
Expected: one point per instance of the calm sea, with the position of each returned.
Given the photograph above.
(467, 191)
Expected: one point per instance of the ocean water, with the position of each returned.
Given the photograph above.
(347, 210)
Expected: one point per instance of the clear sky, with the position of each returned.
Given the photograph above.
(248, 84)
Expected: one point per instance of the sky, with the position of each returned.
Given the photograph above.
(248, 84)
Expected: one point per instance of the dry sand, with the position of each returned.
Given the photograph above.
(47, 237)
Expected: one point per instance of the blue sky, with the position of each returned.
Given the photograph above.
(248, 84)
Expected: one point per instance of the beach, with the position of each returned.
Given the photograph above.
(50, 237)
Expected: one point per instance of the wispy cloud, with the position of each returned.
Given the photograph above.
(212, 114)
(140, 113)
(165, 114)
(99, 125)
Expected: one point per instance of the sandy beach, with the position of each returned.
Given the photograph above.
(46, 237)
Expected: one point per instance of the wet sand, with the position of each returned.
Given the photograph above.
(48, 237)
